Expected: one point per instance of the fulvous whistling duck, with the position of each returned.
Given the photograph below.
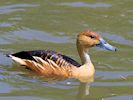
(53, 65)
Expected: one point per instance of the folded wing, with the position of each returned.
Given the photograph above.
(45, 62)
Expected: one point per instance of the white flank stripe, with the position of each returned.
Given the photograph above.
(18, 60)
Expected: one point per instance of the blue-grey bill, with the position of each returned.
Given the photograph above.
(103, 44)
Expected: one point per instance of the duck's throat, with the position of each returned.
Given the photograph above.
(85, 58)
(83, 53)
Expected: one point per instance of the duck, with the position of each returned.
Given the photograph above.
(56, 66)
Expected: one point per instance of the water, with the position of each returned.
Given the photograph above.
(45, 24)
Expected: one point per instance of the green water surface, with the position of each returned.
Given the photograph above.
(54, 24)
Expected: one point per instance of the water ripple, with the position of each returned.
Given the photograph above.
(21, 98)
(130, 21)
(30, 34)
(117, 38)
(83, 4)
(5, 88)
(4, 60)
(15, 7)
(112, 84)
(124, 97)
(6, 24)
(4, 40)
(113, 75)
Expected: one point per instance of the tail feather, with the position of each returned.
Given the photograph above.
(31, 64)
(23, 55)
(16, 59)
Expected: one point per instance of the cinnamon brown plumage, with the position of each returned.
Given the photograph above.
(53, 65)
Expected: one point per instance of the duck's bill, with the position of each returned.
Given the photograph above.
(103, 44)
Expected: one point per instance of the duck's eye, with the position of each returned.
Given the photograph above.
(92, 37)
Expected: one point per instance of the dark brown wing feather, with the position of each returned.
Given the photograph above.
(58, 58)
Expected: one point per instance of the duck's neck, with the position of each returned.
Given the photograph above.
(83, 53)
(85, 59)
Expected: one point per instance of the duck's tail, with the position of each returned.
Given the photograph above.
(16, 59)
(30, 64)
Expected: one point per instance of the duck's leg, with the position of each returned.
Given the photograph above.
(83, 91)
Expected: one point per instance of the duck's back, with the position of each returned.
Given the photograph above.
(46, 62)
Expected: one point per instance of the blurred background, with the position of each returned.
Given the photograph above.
(54, 25)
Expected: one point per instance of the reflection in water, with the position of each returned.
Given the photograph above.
(83, 91)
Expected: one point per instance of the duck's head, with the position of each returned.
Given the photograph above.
(89, 38)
